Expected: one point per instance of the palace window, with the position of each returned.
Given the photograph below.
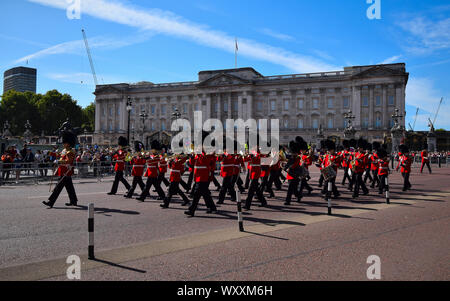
(273, 105)
(315, 103)
(300, 104)
(259, 105)
(365, 101)
(300, 123)
(330, 122)
(330, 103)
(315, 123)
(378, 100)
(185, 108)
(163, 109)
(216, 107)
(365, 123)
(196, 107)
(286, 123)
(163, 125)
(346, 102)
(391, 100)
(286, 104)
(225, 107)
(378, 121)
(152, 109)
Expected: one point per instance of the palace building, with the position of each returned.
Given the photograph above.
(303, 103)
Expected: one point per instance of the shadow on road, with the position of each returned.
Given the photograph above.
(99, 210)
(118, 265)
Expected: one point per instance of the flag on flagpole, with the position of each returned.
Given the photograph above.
(237, 48)
(235, 53)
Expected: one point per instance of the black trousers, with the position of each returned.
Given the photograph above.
(368, 176)
(247, 179)
(189, 182)
(376, 180)
(201, 189)
(346, 176)
(320, 180)
(227, 186)
(174, 188)
(184, 185)
(304, 184)
(406, 183)
(136, 181)
(359, 184)
(382, 185)
(333, 187)
(252, 190)
(264, 185)
(427, 164)
(152, 182)
(292, 189)
(63, 182)
(238, 181)
(214, 180)
(274, 178)
(117, 178)
(162, 179)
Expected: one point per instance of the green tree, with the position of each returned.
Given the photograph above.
(89, 118)
(54, 108)
(17, 108)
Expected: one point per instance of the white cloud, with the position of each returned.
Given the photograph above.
(163, 22)
(421, 93)
(77, 46)
(277, 35)
(391, 59)
(425, 35)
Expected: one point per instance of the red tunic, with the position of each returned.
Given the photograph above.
(119, 157)
(202, 168)
(424, 156)
(138, 167)
(152, 167)
(360, 162)
(374, 162)
(65, 168)
(293, 166)
(177, 168)
(383, 167)
(162, 165)
(254, 165)
(405, 163)
(227, 165)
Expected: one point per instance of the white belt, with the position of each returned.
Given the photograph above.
(384, 167)
(200, 167)
(162, 164)
(228, 165)
(255, 165)
(152, 166)
(425, 158)
(177, 171)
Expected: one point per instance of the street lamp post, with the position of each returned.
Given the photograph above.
(349, 131)
(129, 107)
(143, 116)
(175, 116)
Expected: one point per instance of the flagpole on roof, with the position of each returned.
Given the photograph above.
(235, 54)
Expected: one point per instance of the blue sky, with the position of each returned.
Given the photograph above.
(171, 41)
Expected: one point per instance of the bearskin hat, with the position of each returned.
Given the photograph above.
(352, 143)
(330, 145)
(122, 141)
(294, 147)
(369, 146)
(69, 137)
(361, 143)
(381, 152)
(376, 145)
(301, 143)
(155, 145)
(138, 146)
(403, 149)
(345, 143)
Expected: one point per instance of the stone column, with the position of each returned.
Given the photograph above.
(249, 105)
(240, 113)
(98, 112)
(384, 104)
(208, 107)
(219, 106)
(123, 115)
(371, 106)
(356, 105)
(229, 105)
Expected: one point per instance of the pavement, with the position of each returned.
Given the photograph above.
(141, 241)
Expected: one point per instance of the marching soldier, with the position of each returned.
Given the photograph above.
(176, 168)
(227, 162)
(138, 163)
(383, 169)
(201, 187)
(331, 160)
(152, 174)
(119, 167)
(306, 158)
(405, 162)
(425, 160)
(346, 161)
(291, 167)
(374, 166)
(360, 163)
(65, 171)
(254, 161)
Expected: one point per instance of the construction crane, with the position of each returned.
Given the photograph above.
(435, 116)
(415, 119)
(90, 58)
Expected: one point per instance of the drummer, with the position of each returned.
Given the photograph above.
(330, 168)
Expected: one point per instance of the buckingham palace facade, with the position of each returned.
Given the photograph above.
(303, 103)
